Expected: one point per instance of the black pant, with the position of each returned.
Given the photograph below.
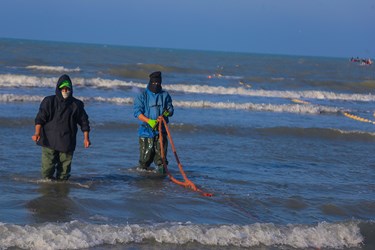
(149, 149)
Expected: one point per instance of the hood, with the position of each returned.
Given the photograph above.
(58, 91)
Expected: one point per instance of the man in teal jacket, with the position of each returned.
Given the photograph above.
(148, 106)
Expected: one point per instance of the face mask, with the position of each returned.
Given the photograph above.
(65, 94)
(154, 88)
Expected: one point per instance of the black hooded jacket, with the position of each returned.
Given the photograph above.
(59, 118)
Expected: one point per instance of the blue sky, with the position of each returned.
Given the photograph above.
(333, 28)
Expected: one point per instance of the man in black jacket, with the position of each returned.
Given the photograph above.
(56, 129)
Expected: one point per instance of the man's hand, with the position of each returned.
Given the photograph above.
(86, 140)
(152, 123)
(166, 113)
(35, 137)
(86, 143)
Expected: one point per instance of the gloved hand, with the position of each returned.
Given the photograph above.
(166, 113)
(152, 123)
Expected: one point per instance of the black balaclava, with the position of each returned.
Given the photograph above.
(155, 77)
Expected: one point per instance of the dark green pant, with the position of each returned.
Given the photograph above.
(150, 151)
(60, 162)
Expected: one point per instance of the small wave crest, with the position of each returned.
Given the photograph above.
(52, 68)
(290, 108)
(142, 70)
(328, 133)
(75, 234)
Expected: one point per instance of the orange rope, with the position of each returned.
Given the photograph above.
(186, 183)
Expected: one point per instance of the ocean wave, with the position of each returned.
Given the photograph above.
(21, 81)
(326, 133)
(290, 108)
(142, 70)
(76, 235)
(52, 68)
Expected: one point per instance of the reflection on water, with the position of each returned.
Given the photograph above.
(54, 204)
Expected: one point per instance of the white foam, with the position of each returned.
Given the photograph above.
(52, 68)
(320, 95)
(20, 81)
(290, 108)
(75, 235)
(355, 132)
(20, 98)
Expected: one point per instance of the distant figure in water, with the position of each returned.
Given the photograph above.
(362, 61)
(56, 130)
(148, 106)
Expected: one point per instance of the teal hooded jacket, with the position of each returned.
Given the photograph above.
(152, 105)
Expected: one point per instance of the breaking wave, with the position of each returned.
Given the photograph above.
(76, 235)
(52, 68)
(22, 81)
(290, 108)
(327, 133)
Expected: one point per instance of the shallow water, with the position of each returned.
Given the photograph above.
(284, 174)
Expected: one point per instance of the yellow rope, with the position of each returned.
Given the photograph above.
(300, 101)
(354, 117)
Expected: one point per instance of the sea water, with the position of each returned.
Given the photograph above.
(284, 143)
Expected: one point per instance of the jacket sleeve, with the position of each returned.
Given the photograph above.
(169, 105)
(139, 105)
(83, 119)
(44, 112)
